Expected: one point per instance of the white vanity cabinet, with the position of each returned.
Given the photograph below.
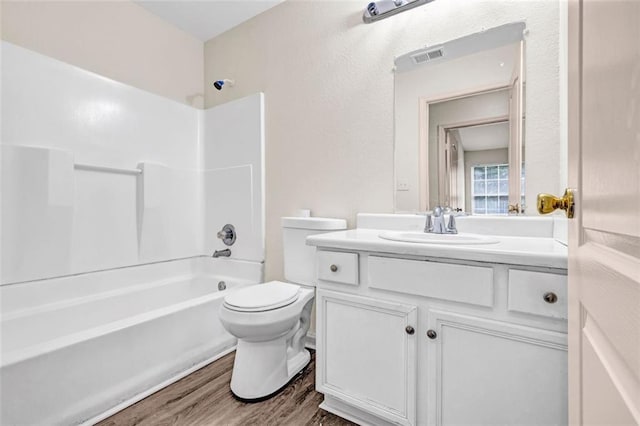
(437, 341)
(488, 372)
(369, 354)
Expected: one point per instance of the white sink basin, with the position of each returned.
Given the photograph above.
(424, 238)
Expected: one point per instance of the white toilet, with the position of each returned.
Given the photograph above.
(271, 320)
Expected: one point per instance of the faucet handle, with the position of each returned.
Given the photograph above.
(227, 234)
(451, 226)
(428, 226)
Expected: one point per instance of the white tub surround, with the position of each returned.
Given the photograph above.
(96, 174)
(232, 159)
(104, 186)
(60, 218)
(443, 334)
(76, 349)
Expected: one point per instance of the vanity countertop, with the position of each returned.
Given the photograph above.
(528, 251)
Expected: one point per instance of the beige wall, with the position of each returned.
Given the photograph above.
(116, 39)
(328, 109)
(328, 86)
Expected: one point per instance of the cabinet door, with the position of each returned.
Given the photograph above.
(367, 354)
(486, 372)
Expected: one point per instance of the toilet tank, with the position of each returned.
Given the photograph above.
(299, 258)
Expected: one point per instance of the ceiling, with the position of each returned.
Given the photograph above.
(487, 136)
(205, 19)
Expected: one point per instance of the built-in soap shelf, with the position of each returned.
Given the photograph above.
(106, 169)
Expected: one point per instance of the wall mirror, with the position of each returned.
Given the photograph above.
(459, 124)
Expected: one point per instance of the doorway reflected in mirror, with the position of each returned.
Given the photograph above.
(457, 116)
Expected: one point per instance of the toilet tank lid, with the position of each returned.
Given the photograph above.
(315, 223)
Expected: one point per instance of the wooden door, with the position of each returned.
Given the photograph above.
(604, 252)
(454, 186)
(444, 158)
(516, 110)
(448, 166)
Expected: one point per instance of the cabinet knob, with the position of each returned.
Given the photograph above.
(334, 268)
(550, 297)
(431, 334)
(409, 329)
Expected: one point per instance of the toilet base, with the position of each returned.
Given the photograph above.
(271, 395)
(262, 369)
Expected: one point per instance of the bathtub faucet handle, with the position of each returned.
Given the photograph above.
(228, 234)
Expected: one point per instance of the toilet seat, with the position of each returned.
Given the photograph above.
(262, 297)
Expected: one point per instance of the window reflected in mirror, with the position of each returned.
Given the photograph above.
(490, 189)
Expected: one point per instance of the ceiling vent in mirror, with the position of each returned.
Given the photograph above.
(435, 54)
(473, 43)
(422, 57)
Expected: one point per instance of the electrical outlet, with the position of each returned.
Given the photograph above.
(402, 185)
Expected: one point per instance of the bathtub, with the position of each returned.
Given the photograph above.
(77, 349)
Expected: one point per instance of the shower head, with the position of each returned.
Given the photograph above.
(219, 84)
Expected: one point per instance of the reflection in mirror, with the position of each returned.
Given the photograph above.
(473, 153)
(459, 124)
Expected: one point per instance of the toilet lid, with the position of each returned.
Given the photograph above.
(262, 297)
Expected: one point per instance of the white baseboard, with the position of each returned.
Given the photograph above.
(351, 413)
(310, 341)
(142, 395)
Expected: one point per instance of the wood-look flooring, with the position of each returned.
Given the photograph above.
(204, 398)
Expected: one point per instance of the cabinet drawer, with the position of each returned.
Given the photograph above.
(338, 267)
(447, 281)
(538, 293)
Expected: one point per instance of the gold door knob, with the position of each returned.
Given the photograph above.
(548, 203)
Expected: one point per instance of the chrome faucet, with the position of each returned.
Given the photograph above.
(222, 253)
(436, 219)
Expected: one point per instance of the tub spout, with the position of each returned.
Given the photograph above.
(222, 253)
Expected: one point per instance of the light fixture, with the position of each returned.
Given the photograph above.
(381, 9)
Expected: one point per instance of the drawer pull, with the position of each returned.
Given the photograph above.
(431, 334)
(409, 329)
(334, 268)
(550, 297)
